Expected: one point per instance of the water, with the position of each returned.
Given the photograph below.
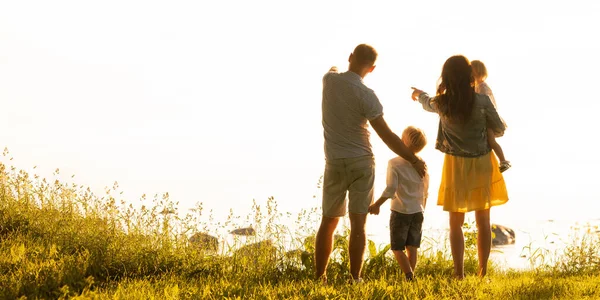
(535, 239)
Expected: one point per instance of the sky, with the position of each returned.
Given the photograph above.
(219, 101)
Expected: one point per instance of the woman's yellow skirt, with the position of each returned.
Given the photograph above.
(471, 183)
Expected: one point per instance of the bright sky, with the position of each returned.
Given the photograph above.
(219, 101)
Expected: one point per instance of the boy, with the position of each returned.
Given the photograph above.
(409, 197)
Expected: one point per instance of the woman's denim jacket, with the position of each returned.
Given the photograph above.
(467, 139)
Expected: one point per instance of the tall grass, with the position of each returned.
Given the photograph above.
(61, 240)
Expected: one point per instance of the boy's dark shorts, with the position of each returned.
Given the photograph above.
(405, 230)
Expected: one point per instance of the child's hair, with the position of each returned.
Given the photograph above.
(414, 138)
(479, 70)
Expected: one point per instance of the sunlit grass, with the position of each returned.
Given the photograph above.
(62, 240)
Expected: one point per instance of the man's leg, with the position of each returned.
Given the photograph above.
(484, 239)
(334, 206)
(358, 240)
(362, 172)
(324, 244)
(457, 243)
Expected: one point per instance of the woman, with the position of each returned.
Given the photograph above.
(471, 179)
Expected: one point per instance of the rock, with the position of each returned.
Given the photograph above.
(502, 235)
(204, 241)
(247, 231)
(255, 256)
(259, 248)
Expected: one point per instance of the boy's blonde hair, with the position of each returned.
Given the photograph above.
(479, 70)
(414, 138)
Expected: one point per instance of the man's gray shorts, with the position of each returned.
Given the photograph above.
(354, 176)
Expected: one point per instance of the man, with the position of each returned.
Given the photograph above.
(350, 168)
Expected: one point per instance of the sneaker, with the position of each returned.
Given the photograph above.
(505, 165)
(357, 280)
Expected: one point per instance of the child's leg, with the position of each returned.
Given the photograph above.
(413, 241)
(504, 164)
(399, 226)
(403, 261)
(495, 146)
(411, 252)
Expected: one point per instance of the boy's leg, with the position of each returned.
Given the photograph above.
(413, 240)
(399, 226)
(411, 252)
(404, 262)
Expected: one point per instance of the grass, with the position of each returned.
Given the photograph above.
(60, 240)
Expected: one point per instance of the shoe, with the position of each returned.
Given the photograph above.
(357, 280)
(505, 165)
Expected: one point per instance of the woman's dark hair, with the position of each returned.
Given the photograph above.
(455, 94)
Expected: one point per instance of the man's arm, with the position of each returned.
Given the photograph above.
(395, 144)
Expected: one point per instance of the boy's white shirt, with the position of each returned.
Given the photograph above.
(406, 188)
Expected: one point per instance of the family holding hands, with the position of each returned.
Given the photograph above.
(471, 176)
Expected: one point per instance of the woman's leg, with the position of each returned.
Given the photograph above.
(457, 243)
(484, 239)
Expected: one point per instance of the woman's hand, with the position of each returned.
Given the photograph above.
(416, 93)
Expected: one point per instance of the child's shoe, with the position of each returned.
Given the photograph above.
(505, 165)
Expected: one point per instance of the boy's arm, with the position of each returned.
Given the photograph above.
(374, 208)
(390, 189)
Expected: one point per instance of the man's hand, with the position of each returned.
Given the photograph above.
(333, 69)
(416, 93)
(420, 167)
(374, 209)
